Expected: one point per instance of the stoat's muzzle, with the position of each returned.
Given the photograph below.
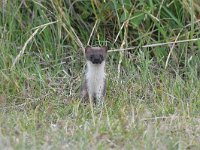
(96, 59)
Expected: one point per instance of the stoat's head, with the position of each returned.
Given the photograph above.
(96, 54)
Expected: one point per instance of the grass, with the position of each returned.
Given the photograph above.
(153, 98)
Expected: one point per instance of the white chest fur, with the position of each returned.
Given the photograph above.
(95, 79)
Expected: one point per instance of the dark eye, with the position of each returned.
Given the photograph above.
(101, 56)
(91, 57)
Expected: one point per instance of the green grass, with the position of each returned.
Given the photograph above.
(152, 101)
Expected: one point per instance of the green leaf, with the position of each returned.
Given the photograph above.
(137, 18)
(124, 16)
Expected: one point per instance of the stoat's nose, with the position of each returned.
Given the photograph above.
(96, 60)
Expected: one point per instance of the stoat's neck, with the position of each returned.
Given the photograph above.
(95, 70)
(95, 67)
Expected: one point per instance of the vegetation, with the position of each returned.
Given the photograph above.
(153, 98)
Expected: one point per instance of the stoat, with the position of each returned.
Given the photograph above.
(94, 85)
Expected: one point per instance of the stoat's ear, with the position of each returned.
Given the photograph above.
(105, 48)
(88, 48)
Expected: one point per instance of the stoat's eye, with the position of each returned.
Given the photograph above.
(101, 56)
